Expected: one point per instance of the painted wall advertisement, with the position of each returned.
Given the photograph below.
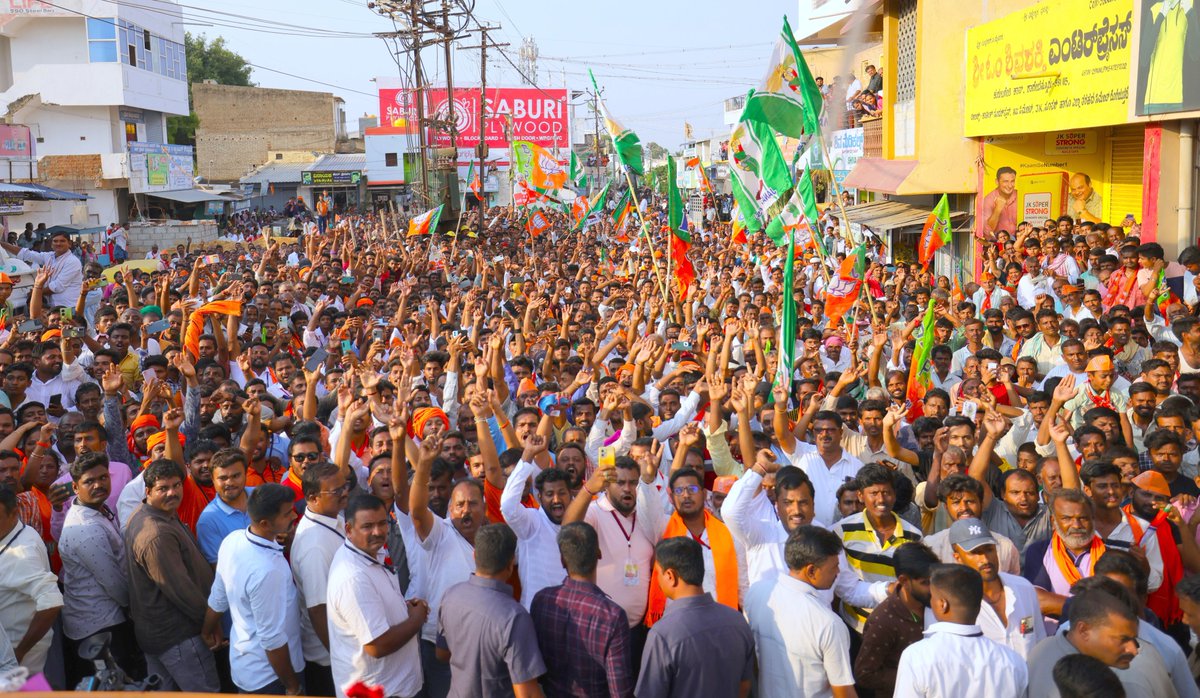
(159, 167)
(1060, 64)
(539, 115)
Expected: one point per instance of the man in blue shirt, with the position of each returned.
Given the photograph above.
(227, 512)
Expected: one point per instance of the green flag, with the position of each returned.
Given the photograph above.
(800, 214)
(937, 232)
(574, 171)
(918, 373)
(787, 98)
(787, 323)
(618, 214)
(625, 142)
(747, 205)
(675, 203)
(596, 206)
(761, 180)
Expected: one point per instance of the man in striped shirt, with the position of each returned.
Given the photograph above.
(871, 536)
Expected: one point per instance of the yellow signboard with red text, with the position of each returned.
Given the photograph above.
(1060, 64)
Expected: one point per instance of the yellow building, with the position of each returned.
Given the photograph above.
(1049, 88)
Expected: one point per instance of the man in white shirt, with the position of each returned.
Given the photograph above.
(810, 658)
(66, 271)
(827, 465)
(374, 634)
(538, 560)
(95, 588)
(1011, 615)
(447, 550)
(955, 659)
(29, 596)
(319, 534)
(253, 582)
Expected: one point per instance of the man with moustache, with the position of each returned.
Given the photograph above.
(724, 571)
(1118, 528)
(538, 562)
(226, 513)
(95, 589)
(374, 636)
(1010, 614)
(169, 582)
(1067, 556)
(319, 535)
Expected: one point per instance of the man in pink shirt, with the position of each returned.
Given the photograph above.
(999, 210)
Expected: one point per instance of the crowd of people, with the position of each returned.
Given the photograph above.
(490, 464)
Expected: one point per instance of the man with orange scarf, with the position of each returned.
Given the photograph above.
(1150, 499)
(724, 577)
(1071, 550)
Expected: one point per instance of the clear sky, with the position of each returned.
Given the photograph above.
(659, 62)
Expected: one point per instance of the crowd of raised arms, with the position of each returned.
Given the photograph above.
(361, 463)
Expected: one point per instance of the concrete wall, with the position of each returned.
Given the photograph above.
(239, 126)
(167, 236)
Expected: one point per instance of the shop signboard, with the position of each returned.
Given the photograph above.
(1060, 64)
(11, 204)
(321, 179)
(157, 167)
(539, 115)
(15, 142)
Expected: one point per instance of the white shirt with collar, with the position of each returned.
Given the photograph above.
(825, 479)
(1025, 627)
(755, 527)
(26, 586)
(363, 603)
(317, 539)
(449, 559)
(538, 557)
(958, 660)
(96, 590)
(254, 583)
(797, 658)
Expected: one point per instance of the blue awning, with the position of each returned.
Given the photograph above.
(51, 194)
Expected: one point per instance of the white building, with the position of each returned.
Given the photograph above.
(89, 78)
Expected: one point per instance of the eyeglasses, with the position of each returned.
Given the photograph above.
(311, 457)
(686, 489)
(339, 491)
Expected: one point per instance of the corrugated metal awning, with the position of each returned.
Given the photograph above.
(888, 215)
(188, 196)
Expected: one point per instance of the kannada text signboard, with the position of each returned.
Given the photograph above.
(1060, 64)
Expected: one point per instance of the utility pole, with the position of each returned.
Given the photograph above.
(481, 150)
(596, 135)
(452, 123)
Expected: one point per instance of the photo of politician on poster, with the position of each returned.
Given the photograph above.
(1169, 39)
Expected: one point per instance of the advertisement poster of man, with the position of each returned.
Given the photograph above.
(1169, 40)
(1000, 205)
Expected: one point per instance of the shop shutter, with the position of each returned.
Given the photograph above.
(1125, 163)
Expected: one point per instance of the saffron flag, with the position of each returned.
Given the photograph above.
(473, 179)
(425, 223)
(705, 185)
(840, 296)
(918, 372)
(545, 171)
(625, 142)
(787, 98)
(956, 293)
(579, 209)
(936, 232)
(538, 223)
(592, 211)
(621, 213)
(680, 238)
(739, 226)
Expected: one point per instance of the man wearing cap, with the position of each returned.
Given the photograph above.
(989, 294)
(1072, 301)
(1010, 614)
(1096, 392)
(1150, 499)
(66, 271)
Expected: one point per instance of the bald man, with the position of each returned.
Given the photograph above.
(1085, 201)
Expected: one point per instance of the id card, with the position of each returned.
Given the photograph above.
(631, 573)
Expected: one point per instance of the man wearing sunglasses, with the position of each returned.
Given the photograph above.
(724, 572)
(303, 451)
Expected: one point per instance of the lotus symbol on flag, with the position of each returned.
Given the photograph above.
(841, 286)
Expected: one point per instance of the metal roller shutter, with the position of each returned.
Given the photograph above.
(1125, 164)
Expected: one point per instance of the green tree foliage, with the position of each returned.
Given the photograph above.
(206, 60)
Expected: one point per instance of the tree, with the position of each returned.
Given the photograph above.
(206, 60)
(655, 151)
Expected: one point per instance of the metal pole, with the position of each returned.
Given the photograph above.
(482, 148)
(420, 90)
(452, 126)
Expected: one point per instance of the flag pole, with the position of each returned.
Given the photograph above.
(646, 234)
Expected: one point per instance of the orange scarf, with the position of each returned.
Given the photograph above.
(195, 328)
(1063, 559)
(724, 560)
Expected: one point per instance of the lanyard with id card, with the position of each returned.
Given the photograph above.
(631, 575)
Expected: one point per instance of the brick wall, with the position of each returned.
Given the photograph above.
(82, 168)
(239, 126)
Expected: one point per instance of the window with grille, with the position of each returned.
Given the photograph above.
(906, 51)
